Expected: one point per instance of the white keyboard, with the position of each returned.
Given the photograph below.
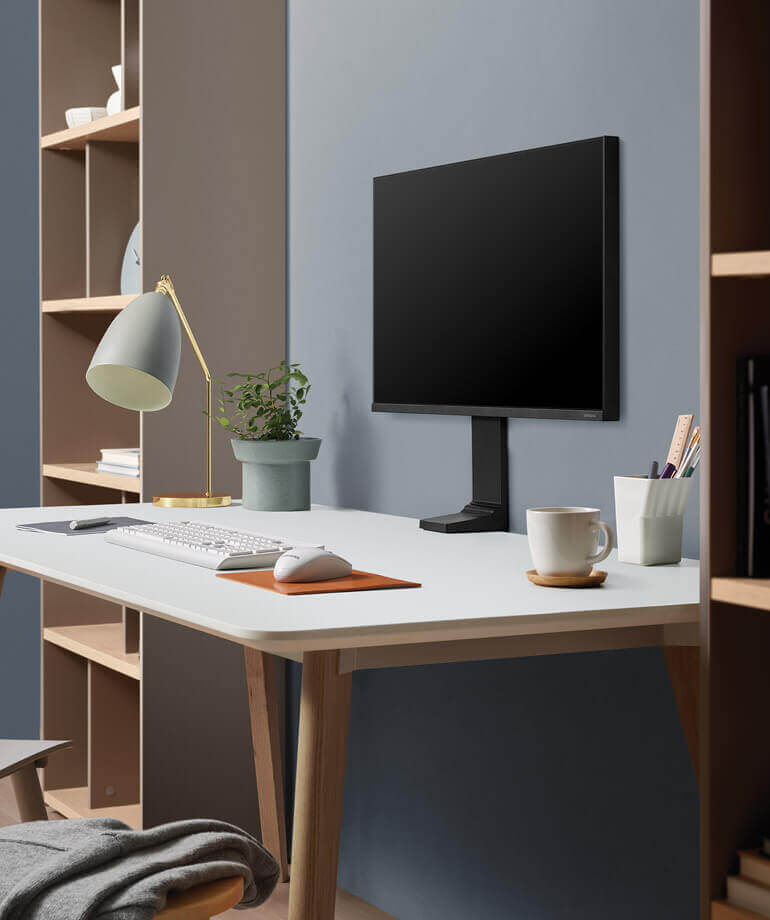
(202, 544)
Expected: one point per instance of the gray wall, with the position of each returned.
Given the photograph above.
(535, 789)
(19, 462)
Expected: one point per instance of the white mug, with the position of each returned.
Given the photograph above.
(564, 541)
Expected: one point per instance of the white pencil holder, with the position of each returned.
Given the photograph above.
(649, 515)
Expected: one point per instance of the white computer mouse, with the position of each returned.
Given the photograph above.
(310, 564)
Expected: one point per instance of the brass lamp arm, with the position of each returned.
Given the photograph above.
(166, 286)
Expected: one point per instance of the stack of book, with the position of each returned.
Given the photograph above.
(120, 461)
(748, 894)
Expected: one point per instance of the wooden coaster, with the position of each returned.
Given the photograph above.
(592, 580)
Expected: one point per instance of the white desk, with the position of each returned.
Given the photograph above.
(475, 603)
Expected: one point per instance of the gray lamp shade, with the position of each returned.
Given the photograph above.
(135, 365)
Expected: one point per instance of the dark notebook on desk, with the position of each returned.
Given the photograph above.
(753, 467)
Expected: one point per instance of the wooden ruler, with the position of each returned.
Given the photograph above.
(679, 441)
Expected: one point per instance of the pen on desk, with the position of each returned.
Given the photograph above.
(653, 470)
(89, 522)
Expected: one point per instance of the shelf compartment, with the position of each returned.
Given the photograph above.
(63, 224)
(87, 474)
(754, 264)
(65, 698)
(120, 128)
(73, 803)
(76, 423)
(110, 304)
(112, 212)
(80, 40)
(102, 643)
(745, 592)
(723, 910)
(113, 738)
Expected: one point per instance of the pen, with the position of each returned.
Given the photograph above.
(653, 470)
(89, 522)
(668, 471)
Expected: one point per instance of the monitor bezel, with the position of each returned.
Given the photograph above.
(610, 408)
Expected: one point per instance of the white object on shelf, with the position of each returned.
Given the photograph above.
(650, 515)
(82, 116)
(115, 102)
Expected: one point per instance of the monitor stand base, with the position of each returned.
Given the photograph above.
(473, 518)
(488, 509)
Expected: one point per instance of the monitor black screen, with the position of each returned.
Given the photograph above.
(495, 285)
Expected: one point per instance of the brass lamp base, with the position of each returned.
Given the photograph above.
(192, 500)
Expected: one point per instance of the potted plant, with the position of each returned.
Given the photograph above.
(263, 412)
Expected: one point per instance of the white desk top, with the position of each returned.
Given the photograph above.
(474, 585)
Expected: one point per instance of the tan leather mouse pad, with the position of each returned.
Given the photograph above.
(357, 581)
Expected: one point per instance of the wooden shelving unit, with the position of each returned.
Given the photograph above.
(735, 288)
(123, 127)
(88, 474)
(214, 218)
(745, 592)
(73, 803)
(103, 643)
(741, 264)
(110, 304)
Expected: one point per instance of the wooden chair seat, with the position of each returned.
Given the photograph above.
(203, 901)
(20, 760)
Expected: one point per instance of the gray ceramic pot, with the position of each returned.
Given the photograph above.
(276, 474)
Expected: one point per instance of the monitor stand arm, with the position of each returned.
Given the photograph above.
(488, 509)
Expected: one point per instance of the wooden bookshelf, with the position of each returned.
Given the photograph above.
(73, 803)
(88, 474)
(741, 264)
(99, 642)
(110, 304)
(745, 592)
(120, 128)
(735, 246)
(144, 165)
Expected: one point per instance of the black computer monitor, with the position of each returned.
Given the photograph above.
(496, 295)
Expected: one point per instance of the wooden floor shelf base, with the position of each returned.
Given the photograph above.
(73, 803)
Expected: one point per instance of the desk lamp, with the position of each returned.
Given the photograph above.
(135, 366)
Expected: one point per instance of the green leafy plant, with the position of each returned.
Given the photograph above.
(264, 407)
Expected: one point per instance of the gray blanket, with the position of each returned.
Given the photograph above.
(101, 869)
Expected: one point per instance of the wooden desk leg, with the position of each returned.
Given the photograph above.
(3, 570)
(683, 663)
(323, 736)
(266, 741)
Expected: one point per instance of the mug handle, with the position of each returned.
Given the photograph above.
(608, 542)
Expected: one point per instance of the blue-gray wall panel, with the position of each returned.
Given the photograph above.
(19, 462)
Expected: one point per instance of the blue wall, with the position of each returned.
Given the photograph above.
(536, 789)
(19, 461)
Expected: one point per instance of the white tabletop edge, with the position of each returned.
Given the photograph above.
(655, 605)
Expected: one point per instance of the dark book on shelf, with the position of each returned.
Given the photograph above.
(753, 467)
